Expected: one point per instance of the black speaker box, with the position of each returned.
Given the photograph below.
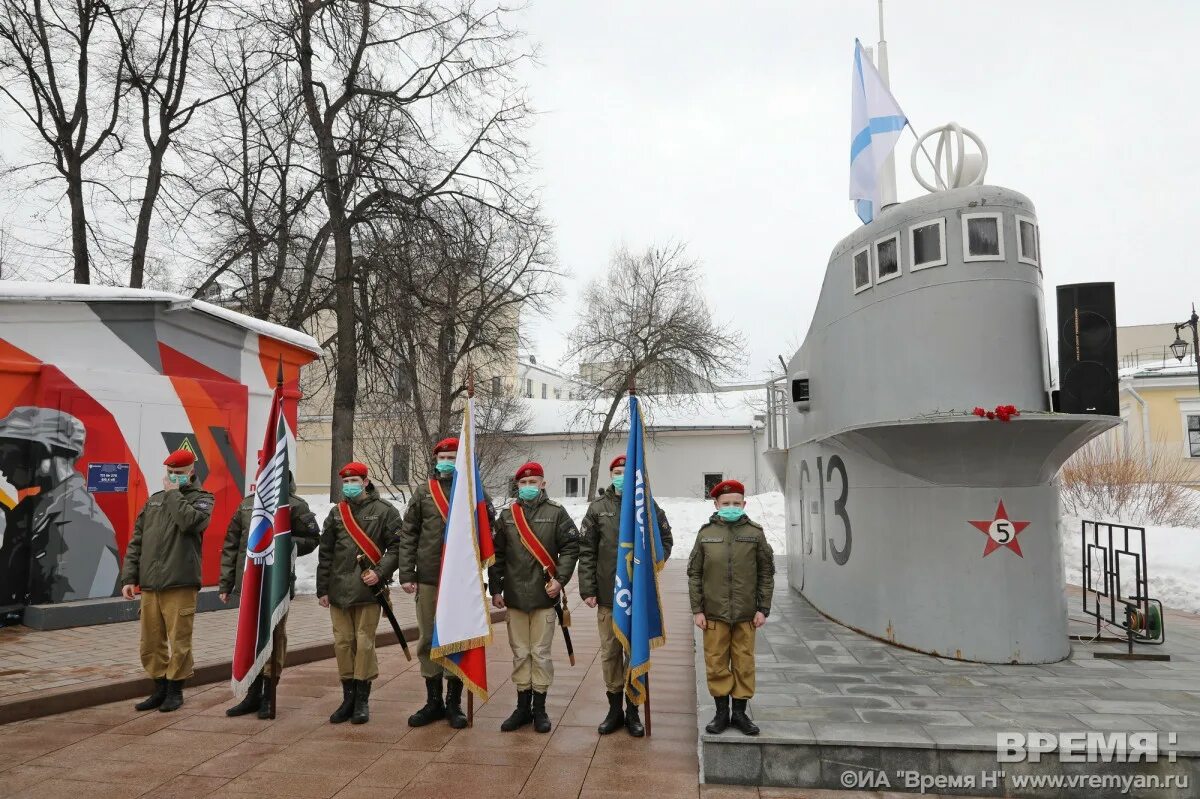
(1087, 349)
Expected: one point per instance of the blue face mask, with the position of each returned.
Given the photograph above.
(731, 514)
(444, 467)
(351, 490)
(179, 479)
(528, 493)
(618, 483)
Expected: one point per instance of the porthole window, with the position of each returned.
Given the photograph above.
(983, 238)
(887, 258)
(1027, 241)
(927, 244)
(862, 269)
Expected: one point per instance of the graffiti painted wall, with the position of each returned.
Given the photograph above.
(94, 392)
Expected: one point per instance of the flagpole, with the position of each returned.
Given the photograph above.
(887, 173)
(471, 694)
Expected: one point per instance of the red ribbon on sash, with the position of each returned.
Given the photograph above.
(368, 547)
(531, 542)
(439, 498)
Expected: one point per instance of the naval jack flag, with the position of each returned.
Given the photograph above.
(876, 123)
(270, 555)
(638, 615)
(462, 625)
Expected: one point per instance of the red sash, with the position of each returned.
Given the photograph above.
(531, 542)
(368, 547)
(439, 498)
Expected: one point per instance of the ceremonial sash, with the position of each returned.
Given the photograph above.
(368, 547)
(531, 542)
(439, 498)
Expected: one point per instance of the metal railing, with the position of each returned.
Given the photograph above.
(1151, 356)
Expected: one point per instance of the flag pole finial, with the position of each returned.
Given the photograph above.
(470, 381)
(279, 372)
(631, 385)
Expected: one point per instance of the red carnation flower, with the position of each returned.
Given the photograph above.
(991, 415)
(979, 412)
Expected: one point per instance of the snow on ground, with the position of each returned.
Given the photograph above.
(1173, 553)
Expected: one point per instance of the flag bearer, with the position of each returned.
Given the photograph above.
(731, 574)
(537, 545)
(359, 532)
(306, 533)
(420, 565)
(163, 558)
(597, 565)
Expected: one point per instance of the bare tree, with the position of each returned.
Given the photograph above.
(56, 67)
(9, 269)
(646, 320)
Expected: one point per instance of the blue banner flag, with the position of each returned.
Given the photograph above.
(638, 616)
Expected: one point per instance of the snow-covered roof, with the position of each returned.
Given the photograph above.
(1168, 368)
(696, 411)
(73, 292)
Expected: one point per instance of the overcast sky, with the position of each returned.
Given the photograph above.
(726, 126)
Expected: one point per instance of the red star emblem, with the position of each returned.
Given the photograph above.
(1001, 531)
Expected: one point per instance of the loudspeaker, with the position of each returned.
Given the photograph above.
(1087, 349)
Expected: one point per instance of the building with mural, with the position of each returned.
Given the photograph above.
(97, 386)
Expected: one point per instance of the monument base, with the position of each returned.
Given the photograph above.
(108, 610)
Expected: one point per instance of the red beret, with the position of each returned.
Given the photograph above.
(354, 469)
(530, 469)
(446, 445)
(617, 461)
(727, 487)
(180, 458)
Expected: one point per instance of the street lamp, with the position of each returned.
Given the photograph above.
(1179, 347)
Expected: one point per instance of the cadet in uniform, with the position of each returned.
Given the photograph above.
(731, 575)
(536, 545)
(597, 564)
(163, 559)
(419, 570)
(363, 524)
(306, 533)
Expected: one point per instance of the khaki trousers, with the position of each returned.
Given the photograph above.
(274, 665)
(729, 659)
(530, 636)
(426, 608)
(166, 624)
(612, 655)
(354, 640)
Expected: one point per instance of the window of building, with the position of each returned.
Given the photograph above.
(570, 395)
(887, 258)
(927, 244)
(399, 464)
(496, 387)
(1027, 241)
(982, 237)
(529, 388)
(575, 486)
(710, 482)
(1193, 436)
(862, 269)
(543, 391)
(558, 393)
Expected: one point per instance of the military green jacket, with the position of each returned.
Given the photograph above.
(338, 574)
(516, 573)
(165, 550)
(598, 549)
(731, 572)
(305, 532)
(422, 534)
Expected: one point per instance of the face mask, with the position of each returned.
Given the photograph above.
(618, 483)
(444, 467)
(730, 514)
(528, 493)
(351, 490)
(179, 479)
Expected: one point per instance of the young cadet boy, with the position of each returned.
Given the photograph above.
(731, 575)
(597, 567)
(163, 559)
(357, 554)
(306, 533)
(536, 547)
(419, 570)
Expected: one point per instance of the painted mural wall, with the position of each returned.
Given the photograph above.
(93, 396)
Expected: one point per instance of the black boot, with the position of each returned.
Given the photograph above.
(720, 721)
(434, 710)
(740, 720)
(521, 716)
(251, 702)
(541, 722)
(346, 708)
(362, 711)
(266, 709)
(633, 722)
(454, 714)
(615, 718)
(156, 696)
(174, 698)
